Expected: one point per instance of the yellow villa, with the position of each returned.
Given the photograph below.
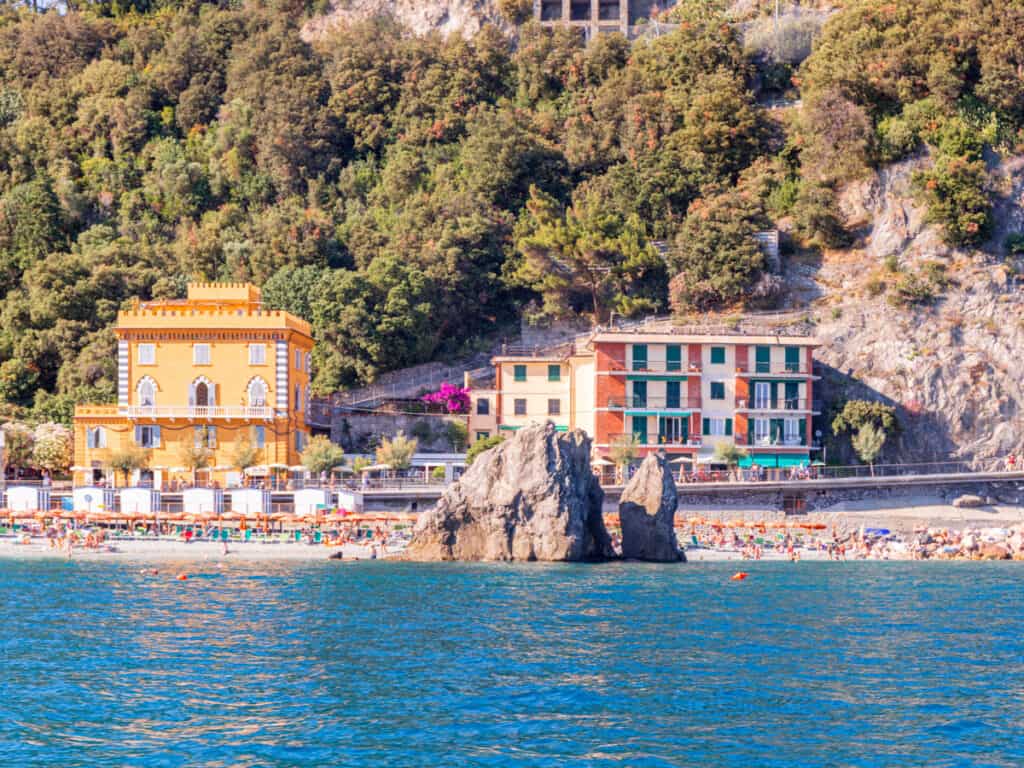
(215, 368)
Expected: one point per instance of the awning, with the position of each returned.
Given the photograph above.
(794, 460)
(774, 460)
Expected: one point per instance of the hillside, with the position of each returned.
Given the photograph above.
(414, 196)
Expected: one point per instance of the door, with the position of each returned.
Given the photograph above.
(640, 429)
(639, 394)
(792, 395)
(672, 430)
(671, 394)
(762, 394)
(202, 395)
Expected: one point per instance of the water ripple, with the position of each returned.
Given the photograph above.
(882, 664)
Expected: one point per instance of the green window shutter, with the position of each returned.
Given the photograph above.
(706, 426)
(639, 394)
(803, 431)
(686, 429)
(775, 394)
(718, 355)
(718, 390)
(793, 359)
(639, 357)
(673, 357)
(728, 427)
(763, 358)
(792, 394)
(776, 427)
(672, 394)
(640, 428)
(554, 373)
(519, 373)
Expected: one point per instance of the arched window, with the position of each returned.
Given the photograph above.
(257, 393)
(146, 390)
(202, 393)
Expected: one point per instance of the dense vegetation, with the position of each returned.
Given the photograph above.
(408, 195)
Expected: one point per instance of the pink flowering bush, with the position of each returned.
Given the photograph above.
(454, 399)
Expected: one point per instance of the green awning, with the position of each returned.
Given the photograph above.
(666, 414)
(509, 427)
(794, 460)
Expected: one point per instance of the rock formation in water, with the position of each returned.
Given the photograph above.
(647, 510)
(534, 497)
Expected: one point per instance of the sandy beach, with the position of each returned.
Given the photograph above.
(171, 550)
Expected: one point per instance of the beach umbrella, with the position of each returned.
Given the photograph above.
(298, 468)
(257, 470)
(600, 461)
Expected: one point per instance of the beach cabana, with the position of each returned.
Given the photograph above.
(202, 500)
(250, 501)
(308, 500)
(92, 499)
(23, 498)
(139, 502)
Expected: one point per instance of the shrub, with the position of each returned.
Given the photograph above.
(954, 190)
(1014, 243)
(484, 444)
(892, 262)
(875, 286)
(816, 216)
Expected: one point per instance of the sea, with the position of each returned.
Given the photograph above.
(402, 664)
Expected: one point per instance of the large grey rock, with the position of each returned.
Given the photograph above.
(968, 500)
(534, 497)
(647, 510)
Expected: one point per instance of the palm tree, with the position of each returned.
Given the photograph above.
(195, 455)
(625, 449)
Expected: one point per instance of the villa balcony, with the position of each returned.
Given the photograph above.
(782, 404)
(783, 370)
(654, 403)
(781, 441)
(690, 441)
(200, 412)
(660, 367)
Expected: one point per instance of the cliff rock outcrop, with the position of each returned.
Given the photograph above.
(534, 497)
(647, 510)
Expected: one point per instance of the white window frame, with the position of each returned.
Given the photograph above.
(791, 431)
(716, 426)
(257, 354)
(197, 349)
(153, 431)
(258, 402)
(146, 381)
(762, 431)
(96, 437)
(763, 394)
(150, 357)
(298, 359)
(259, 436)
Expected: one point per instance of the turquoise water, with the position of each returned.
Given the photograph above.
(381, 664)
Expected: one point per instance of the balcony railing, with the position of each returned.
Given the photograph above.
(658, 403)
(658, 366)
(774, 369)
(197, 412)
(777, 404)
(691, 441)
(780, 441)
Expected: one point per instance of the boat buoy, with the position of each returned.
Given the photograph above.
(740, 576)
(182, 576)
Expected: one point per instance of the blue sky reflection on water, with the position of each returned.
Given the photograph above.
(881, 664)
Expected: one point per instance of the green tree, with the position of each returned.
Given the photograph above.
(321, 455)
(716, 256)
(625, 449)
(482, 445)
(129, 459)
(856, 413)
(18, 381)
(729, 454)
(195, 455)
(457, 433)
(19, 444)
(245, 454)
(397, 452)
(868, 442)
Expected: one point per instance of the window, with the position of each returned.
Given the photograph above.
(257, 393)
(483, 406)
(519, 373)
(300, 441)
(95, 437)
(762, 394)
(147, 392)
(673, 357)
(202, 394)
(639, 357)
(717, 427)
(639, 394)
(200, 354)
(309, 362)
(672, 394)
(147, 436)
(298, 359)
(482, 435)
(762, 432)
(792, 395)
(257, 354)
(554, 407)
(259, 437)
(793, 359)
(718, 390)
(672, 430)
(554, 373)
(763, 359)
(640, 429)
(147, 354)
(791, 431)
(718, 355)
(205, 436)
(298, 398)
(520, 406)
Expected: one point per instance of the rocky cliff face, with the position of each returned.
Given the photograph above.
(953, 367)
(647, 511)
(464, 17)
(534, 497)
